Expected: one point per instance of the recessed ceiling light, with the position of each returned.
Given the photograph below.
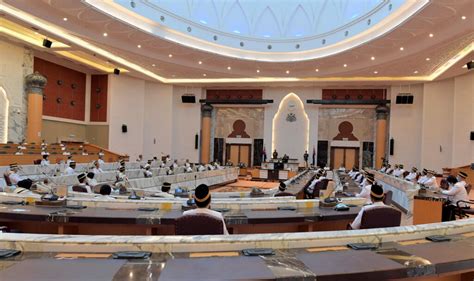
(372, 58)
(200, 62)
(463, 17)
(229, 68)
(287, 72)
(258, 71)
(317, 70)
(64, 19)
(105, 34)
(416, 71)
(376, 72)
(36, 33)
(170, 55)
(431, 35)
(427, 59)
(401, 48)
(139, 46)
(153, 65)
(345, 65)
(204, 75)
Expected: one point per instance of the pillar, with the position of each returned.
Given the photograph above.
(380, 135)
(35, 84)
(206, 111)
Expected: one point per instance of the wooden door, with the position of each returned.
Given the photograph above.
(345, 156)
(238, 153)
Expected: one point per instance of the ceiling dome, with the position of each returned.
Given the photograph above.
(268, 30)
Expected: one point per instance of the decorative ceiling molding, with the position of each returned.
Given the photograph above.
(148, 16)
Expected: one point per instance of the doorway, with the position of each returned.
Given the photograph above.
(238, 153)
(344, 156)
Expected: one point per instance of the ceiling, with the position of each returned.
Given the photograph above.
(432, 44)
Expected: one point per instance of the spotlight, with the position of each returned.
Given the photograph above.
(116, 71)
(47, 43)
(470, 65)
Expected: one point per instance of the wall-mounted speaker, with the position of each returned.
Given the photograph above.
(398, 100)
(196, 141)
(188, 99)
(472, 135)
(47, 43)
(472, 166)
(392, 146)
(116, 71)
(124, 128)
(404, 98)
(470, 65)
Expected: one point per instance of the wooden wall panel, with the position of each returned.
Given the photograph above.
(65, 92)
(98, 112)
(354, 94)
(234, 94)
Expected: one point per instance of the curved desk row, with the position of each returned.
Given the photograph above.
(130, 221)
(402, 254)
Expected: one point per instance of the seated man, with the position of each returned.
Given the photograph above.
(282, 190)
(412, 175)
(90, 180)
(456, 192)
(101, 160)
(431, 182)
(383, 169)
(310, 189)
(376, 196)
(365, 192)
(170, 171)
(389, 169)
(165, 191)
(71, 169)
(105, 191)
(147, 173)
(45, 160)
(15, 178)
(69, 160)
(424, 177)
(202, 197)
(122, 181)
(24, 187)
(96, 169)
(399, 171)
(82, 182)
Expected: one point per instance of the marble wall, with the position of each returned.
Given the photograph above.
(12, 74)
(226, 116)
(363, 121)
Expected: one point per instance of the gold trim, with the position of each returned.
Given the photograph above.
(203, 199)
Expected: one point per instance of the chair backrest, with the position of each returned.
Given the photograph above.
(387, 199)
(468, 188)
(78, 188)
(320, 185)
(380, 217)
(37, 162)
(280, 194)
(7, 180)
(198, 225)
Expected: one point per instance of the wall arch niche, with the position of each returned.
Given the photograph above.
(4, 103)
(290, 130)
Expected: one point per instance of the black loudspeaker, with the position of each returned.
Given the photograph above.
(472, 135)
(196, 141)
(472, 166)
(470, 65)
(398, 100)
(116, 71)
(404, 100)
(47, 43)
(409, 99)
(392, 146)
(124, 128)
(188, 99)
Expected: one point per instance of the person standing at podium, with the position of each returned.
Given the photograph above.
(305, 157)
(275, 154)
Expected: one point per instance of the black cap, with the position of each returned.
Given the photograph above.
(376, 191)
(282, 186)
(202, 196)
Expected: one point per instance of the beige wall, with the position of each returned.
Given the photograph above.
(98, 135)
(53, 131)
(405, 126)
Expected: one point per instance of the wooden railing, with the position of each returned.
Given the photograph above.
(33, 152)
